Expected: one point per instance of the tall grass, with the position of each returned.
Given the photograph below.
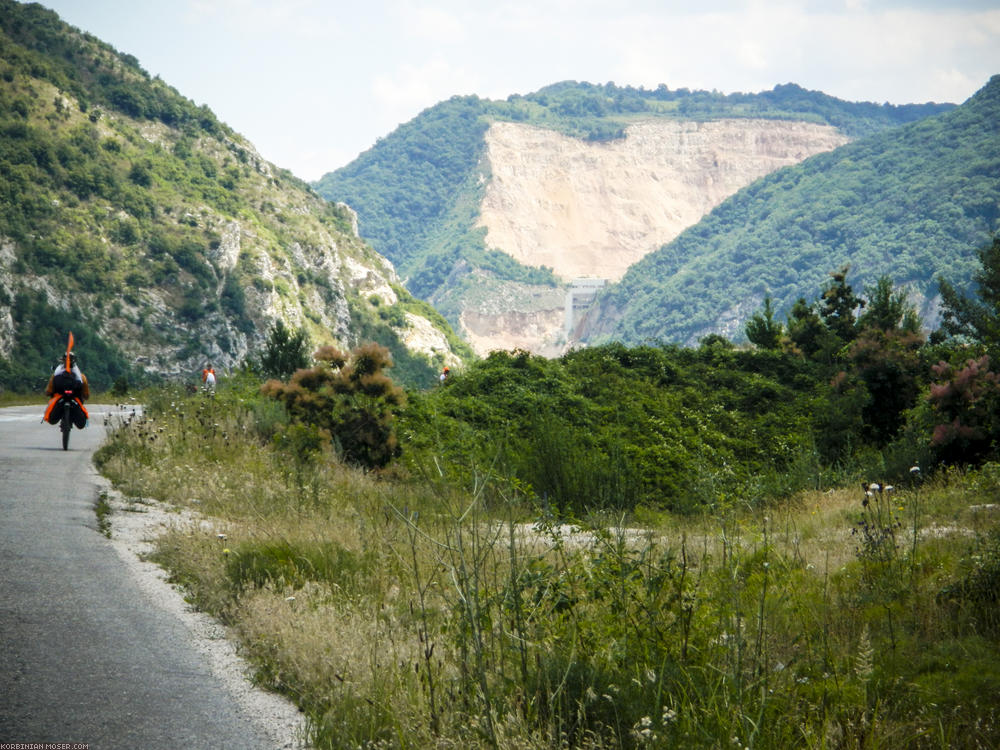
(403, 609)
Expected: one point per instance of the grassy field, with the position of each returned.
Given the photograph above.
(402, 611)
(19, 399)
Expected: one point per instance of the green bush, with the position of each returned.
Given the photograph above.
(350, 399)
(284, 352)
(614, 427)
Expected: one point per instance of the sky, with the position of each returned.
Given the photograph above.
(314, 83)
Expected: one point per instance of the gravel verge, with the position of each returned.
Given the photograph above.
(134, 527)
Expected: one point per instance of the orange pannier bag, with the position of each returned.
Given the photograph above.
(55, 400)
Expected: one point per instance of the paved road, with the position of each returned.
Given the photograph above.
(85, 657)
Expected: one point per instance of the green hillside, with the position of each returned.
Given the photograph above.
(153, 231)
(416, 191)
(913, 203)
(777, 547)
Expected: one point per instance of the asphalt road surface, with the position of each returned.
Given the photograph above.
(85, 656)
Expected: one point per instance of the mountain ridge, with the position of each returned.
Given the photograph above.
(420, 191)
(913, 203)
(161, 236)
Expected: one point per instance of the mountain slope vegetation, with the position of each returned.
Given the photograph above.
(405, 188)
(913, 203)
(158, 234)
(417, 192)
(657, 546)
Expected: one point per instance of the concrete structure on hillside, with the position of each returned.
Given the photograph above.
(579, 295)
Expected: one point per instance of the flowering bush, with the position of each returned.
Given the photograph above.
(966, 403)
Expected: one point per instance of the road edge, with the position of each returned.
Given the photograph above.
(134, 526)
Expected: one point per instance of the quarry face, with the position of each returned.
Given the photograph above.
(592, 209)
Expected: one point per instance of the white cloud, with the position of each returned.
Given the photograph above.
(303, 19)
(401, 94)
(432, 24)
(849, 50)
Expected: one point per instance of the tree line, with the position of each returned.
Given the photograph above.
(847, 384)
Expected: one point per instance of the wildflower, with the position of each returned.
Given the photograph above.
(289, 599)
(874, 487)
(669, 715)
(643, 732)
(914, 469)
(221, 536)
(889, 488)
(651, 675)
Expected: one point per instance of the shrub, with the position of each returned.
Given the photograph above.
(966, 403)
(284, 353)
(975, 595)
(348, 396)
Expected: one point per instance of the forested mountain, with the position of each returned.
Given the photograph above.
(158, 235)
(914, 203)
(419, 191)
(406, 188)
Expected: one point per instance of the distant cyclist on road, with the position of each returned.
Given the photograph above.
(208, 378)
(68, 378)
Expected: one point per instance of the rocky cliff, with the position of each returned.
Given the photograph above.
(911, 204)
(161, 236)
(592, 209)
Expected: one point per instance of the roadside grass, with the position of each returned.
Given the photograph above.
(103, 510)
(8, 398)
(12, 398)
(402, 611)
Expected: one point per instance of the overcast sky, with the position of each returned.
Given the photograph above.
(313, 83)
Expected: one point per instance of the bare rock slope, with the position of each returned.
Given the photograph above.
(589, 209)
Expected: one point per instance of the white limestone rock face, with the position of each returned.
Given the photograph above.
(354, 217)
(419, 335)
(591, 210)
(6, 291)
(228, 252)
(594, 209)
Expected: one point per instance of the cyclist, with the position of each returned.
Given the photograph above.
(68, 377)
(208, 378)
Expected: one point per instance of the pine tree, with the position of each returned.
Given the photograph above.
(839, 305)
(762, 329)
(975, 319)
